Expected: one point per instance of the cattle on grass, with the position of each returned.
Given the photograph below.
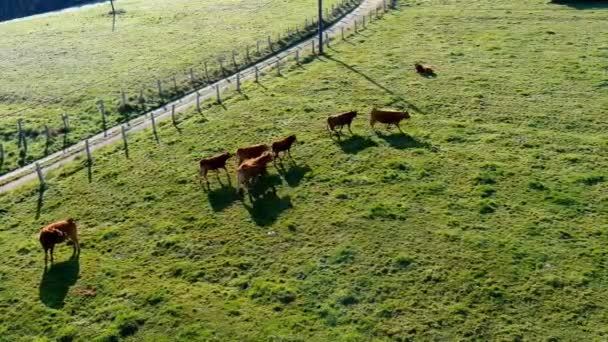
(214, 163)
(387, 117)
(339, 121)
(250, 152)
(252, 169)
(424, 69)
(283, 145)
(56, 233)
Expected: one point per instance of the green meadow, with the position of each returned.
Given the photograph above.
(486, 220)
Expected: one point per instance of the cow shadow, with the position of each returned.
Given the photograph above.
(404, 141)
(222, 197)
(355, 144)
(294, 173)
(56, 282)
(266, 206)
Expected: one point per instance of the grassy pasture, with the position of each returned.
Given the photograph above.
(65, 63)
(486, 221)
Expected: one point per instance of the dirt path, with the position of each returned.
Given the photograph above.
(28, 173)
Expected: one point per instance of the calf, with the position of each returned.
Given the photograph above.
(250, 152)
(251, 169)
(423, 69)
(340, 120)
(387, 117)
(56, 233)
(283, 145)
(213, 164)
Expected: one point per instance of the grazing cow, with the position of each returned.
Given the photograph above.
(56, 233)
(283, 145)
(213, 164)
(250, 152)
(340, 120)
(251, 169)
(423, 69)
(387, 117)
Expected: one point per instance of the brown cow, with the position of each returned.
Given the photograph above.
(387, 117)
(56, 233)
(283, 145)
(250, 152)
(423, 69)
(213, 164)
(251, 169)
(340, 120)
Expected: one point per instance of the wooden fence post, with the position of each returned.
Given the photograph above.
(87, 148)
(40, 176)
(102, 111)
(19, 132)
(198, 102)
(313, 47)
(238, 82)
(160, 88)
(217, 93)
(141, 99)
(123, 131)
(355, 25)
(1, 155)
(123, 99)
(269, 43)
(257, 74)
(221, 62)
(154, 127)
(257, 44)
(47, 133)
(66, 123)
(363, 21)
(327, 39)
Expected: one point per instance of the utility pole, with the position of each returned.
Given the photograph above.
(320, 27)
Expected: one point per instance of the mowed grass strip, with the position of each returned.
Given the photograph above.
(486, 220)
(67, 62)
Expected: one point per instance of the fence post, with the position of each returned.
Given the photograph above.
(154, 127)
(88, 150)
(173, 115)
(236, 67)
(47, 133)
(66, 123)
(1, 155)
(247, 53)
(19, 132)
(355, 25)
(141, 99)
(257, 44)
(160, 88)
(40, 176)
(313, 47)
(198, 102)
(305, 23)
(217, 93)
(124, 139)
(174, 84)
(192, 76)
(363, 21)
(207, 73)
(221, 61)
(102, 111)
(238, 82)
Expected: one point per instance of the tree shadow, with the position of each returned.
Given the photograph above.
(294, 175)
(355, 144)
(374, 82)
(56, 282)
(266, 206)
(404, 141)
(582, 4)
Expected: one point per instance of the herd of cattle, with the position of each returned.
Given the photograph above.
(251, 163)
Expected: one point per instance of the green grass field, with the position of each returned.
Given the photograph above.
(65, 63)
(487, 220)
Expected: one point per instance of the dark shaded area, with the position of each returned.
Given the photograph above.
(56, 282)
(582, 5)
(266, 206)
(356, 143)
(294, 173)
(12, 9)
(404, 141)
(222, 197)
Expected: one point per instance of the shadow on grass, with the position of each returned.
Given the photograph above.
(56, 282)
(355, 144)
(374, 82)
(40, 203)
(404, 141)
(221, 198)
(294, 174)
(266, 206)
(582, 4)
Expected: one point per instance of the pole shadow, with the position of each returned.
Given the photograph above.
(56, 282)
(40, 202)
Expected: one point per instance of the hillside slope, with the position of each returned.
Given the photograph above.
(486, 220)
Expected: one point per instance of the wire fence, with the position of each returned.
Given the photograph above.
(171, 96)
